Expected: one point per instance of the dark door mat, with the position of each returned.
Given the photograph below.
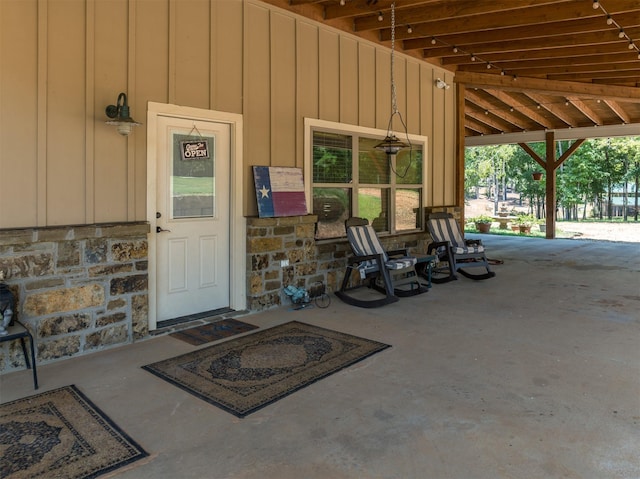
(213, 331)
(61, 433)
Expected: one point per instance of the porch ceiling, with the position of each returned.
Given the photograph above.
(527, 65)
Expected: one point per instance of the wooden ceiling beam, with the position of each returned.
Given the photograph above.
(596, 61)
(547, 53)
(594, 71)
(481, 15)
(487, 117)
(596, 77)
(357, 8)
(515, 45)
(502, 113)
(523, 84)
(512, 102)
(553, 108)
(548, 28)
(585, 110)
(486, 120)
(618, 110)
(479, 127)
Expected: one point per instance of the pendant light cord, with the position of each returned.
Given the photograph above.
(394, 100)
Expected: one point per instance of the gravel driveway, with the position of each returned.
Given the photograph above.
(627, 232)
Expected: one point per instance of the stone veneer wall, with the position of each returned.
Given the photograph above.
(79, 289)
(271, 240)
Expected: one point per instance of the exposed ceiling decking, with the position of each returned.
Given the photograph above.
(527, 65)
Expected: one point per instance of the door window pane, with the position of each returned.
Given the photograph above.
(193, 176)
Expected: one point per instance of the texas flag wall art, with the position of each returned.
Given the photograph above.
(279, 191)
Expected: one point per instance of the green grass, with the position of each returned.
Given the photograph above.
(369, 207)
(192, 186)
(498, 232)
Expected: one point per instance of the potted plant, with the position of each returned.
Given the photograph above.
(483, 223)
(542, 224)
(525, 222)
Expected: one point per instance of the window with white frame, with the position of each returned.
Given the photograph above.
(352, 178)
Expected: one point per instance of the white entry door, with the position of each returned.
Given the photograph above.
(192, 218)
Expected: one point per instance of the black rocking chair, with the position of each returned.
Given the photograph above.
(391, 273)
(454, 252)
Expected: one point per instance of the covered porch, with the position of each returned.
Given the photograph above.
(534, 373)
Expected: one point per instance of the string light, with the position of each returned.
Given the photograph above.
(621, 33)
(380, 16)
(409, 29)
(596, 5)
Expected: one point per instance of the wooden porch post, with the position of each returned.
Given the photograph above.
(550, 179)
(459, 194)
(550, 165)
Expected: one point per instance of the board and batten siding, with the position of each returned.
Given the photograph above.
(63, 62)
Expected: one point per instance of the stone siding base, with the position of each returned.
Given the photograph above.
(283, 251)
(78, 289)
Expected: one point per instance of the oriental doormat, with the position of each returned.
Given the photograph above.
(61, 433)
(244, 374)
(213, 331)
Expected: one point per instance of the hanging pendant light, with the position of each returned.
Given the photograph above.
(391, 145)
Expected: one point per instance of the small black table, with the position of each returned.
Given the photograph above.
(425, 265)
(19, 331)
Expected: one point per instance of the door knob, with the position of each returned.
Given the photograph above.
(161, 230)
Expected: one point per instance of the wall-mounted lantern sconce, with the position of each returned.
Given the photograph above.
(120, 116)
(443, 85)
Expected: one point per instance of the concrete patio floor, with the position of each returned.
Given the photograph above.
(532, 374)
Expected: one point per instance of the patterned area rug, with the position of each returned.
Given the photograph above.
(60, 433)
(213, 331)
(245, 374)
